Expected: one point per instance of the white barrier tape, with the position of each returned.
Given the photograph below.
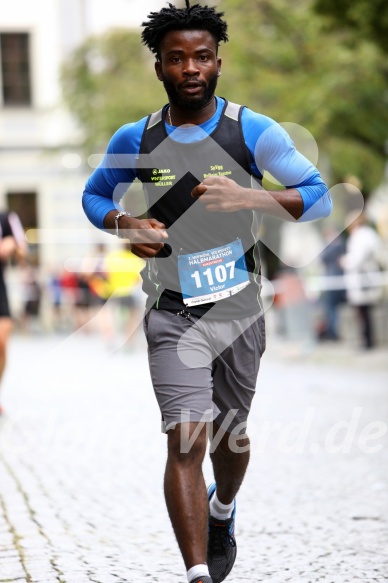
(322, 283)
(310, 283)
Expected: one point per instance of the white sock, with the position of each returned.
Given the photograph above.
(197, 571)
(219, 510)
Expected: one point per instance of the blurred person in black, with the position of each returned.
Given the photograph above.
(32, 298)
(12, 246)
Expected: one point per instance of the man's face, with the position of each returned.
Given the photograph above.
(189, 67)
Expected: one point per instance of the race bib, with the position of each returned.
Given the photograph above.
(212, 275)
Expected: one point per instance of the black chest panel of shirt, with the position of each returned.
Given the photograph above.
(169, 174)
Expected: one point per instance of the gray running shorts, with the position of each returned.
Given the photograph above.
(204, 369)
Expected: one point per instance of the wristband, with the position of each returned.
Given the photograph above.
(121, 214)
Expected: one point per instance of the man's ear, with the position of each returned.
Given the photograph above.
(158, 69)
(219, 64)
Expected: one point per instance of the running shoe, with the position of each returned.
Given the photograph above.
(221, 545)
(202, 579)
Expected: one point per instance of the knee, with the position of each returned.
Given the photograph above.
(230, 445)
(187, 443)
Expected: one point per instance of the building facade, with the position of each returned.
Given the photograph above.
(42, 171)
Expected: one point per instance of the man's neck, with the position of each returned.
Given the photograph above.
(178, 116)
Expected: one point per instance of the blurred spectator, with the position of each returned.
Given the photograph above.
(334, 295)
(83, 301)
(54, 289)
(69, 296)
(12, 246)
(294, 308)
(361, 263)
(122, 290)
(32, 296)
(95, 266)
(77, 298)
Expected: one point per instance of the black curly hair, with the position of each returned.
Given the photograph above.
(194, 17)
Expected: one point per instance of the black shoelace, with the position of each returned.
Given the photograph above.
(220, 539)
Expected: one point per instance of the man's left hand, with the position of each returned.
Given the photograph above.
(219, 193)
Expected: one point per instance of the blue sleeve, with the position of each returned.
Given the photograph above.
(111, 180)
(273, 151)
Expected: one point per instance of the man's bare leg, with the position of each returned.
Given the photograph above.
(229, 465)
(185, 494)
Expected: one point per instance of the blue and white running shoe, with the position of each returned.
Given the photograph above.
(221, 545)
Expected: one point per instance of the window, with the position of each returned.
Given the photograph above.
(15, 69)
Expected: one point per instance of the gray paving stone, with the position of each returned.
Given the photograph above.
(11, 568)
(82, 460)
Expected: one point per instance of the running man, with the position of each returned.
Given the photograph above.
(12, 245)
(201, 160)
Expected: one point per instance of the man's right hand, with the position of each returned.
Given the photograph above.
(146, 236)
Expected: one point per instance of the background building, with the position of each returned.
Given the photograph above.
(42, 169)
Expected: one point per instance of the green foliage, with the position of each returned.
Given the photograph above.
(365, 18)
(282, 60)
(109, 81)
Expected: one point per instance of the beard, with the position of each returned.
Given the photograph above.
(194, 102)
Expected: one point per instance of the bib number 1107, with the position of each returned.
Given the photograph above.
(221, 273)
(213, 274)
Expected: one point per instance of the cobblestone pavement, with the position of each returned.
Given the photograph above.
(82, 458)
